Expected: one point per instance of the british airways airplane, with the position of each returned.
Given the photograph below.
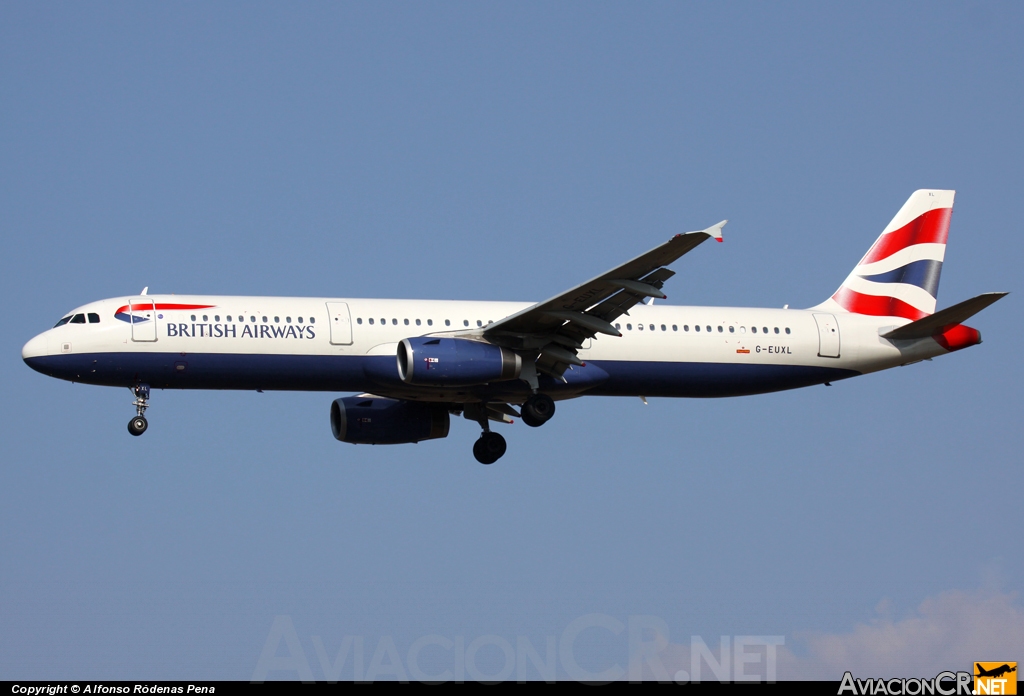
(418, 362)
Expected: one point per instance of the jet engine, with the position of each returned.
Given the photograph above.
(376, 421)
(455, 362)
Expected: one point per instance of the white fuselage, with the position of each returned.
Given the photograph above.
(346, 344)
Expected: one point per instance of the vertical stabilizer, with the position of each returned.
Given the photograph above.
(899, 276)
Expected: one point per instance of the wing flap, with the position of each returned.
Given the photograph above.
(596, 290)
(556, 329)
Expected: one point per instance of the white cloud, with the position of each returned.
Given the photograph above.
(946, 632)
(949, 631)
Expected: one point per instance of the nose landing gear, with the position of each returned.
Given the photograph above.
(138, 424)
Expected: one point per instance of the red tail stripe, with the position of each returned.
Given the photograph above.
(876, 305)
(930, 228)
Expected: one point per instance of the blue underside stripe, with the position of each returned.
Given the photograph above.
(378, 375)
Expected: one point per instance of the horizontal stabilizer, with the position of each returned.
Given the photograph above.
(942, 321)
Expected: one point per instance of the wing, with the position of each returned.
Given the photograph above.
(557, 328)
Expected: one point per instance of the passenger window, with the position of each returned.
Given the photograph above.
(371, 321)
(359, 320)
(696, 327)
(652, 327)
(753, 329)
(686, 327)
(417, 322)
(63, 321)
(430, 322)
(787, 329)
(709, 329)
(479, 323)
(383, 322)
(277, 320)
(193, 317)
(664, 328)
(300, 320)
(465, 322)
(206, 317)
(216, 318)
(312, 320)
(78, 319)
(94, 318)
(776, 329)
(618, 328)
(287, 320)
(252, 319)
(406, 322)
(264, 318)
(732, 329)
(447, 322)
(395, 322)
(764, 329)
(719, 329)
(228, 318)
(640, 327)
(675, 327)
(743, 329)
(629, 327)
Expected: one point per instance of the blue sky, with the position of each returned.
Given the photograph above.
(505, 152)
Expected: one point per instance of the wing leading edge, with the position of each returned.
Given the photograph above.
(556, 328)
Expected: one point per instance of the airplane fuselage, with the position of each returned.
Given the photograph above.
(347, 344)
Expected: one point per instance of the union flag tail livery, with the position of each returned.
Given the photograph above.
(899, 276)
(415, 363)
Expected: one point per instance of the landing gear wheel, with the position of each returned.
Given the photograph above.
(138, 425)
(489, 448)
(538, 410)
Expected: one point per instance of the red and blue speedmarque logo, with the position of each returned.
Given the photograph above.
(131, 313)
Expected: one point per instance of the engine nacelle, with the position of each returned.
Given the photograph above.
(366, 421)
(455, 362)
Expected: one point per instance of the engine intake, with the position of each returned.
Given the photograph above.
(455, 362)
(376, 421)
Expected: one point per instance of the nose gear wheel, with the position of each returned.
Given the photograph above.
(138, 425)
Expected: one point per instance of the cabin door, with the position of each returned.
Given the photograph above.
(341, 323)
(142, 311)
(828, 335)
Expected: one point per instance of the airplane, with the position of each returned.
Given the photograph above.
(416, 363)
(996, 671)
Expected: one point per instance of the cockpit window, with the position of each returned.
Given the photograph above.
(63, 321)
(94, 318)
(78, 319)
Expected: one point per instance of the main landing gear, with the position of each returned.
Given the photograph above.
(538, 410)
(489, 447)
(138, 424)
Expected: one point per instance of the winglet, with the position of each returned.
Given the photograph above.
(716, 230)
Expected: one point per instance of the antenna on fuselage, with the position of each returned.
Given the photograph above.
(144, 291)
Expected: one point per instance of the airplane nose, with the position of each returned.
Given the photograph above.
(35, 348)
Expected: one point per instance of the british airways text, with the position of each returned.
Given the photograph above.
(233, 331)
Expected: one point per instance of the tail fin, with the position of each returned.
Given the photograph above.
(899, 276)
